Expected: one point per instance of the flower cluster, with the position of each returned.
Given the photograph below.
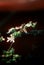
(17, 31)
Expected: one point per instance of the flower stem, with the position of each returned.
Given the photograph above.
(10, 46)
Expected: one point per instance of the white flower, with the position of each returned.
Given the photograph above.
(10, 30)
(24, 30)
(31, 24)
(28, 24)
(17, 28)
(20, 27)
(3, 55)
(11, 39)
(34, 24)
(3, 38)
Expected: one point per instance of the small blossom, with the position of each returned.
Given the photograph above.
(17, 28)
(24, 29)
(11, 39)
(31, 24)
(34, 24)
(28, 24)
(20, 27)
(2, 38)
(3, 55)
(10, 30)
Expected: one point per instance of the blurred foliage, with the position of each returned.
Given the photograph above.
(9, 56)
(1, 39)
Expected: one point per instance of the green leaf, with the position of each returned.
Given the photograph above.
(11, 50)
(16, 34)
(1, 39)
